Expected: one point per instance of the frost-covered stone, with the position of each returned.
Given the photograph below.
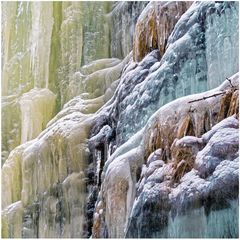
(220, 187)
(230, 122)
(155, 156)
(182, 70)
(121, 158)
(174, 187)
(222, 145)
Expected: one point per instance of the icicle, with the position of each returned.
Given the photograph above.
(37, 108)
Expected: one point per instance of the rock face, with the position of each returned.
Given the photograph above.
(120, 119)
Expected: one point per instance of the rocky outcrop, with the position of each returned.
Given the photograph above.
(182, 70)
(201, 175)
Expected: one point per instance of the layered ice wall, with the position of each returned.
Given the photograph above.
(45, 44)
(46, 179)
(16, 69)
(11, 126)
(114, 145)
(30, 30)
(145, 87)
(222, 43)
(123, 18)
(27, 30)
(171, 170)
(37, 108)
(83, 36)
(185, 68)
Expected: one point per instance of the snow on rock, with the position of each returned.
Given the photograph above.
(222, 145)
(230, 122)
(153, 83)
(127, 155)
(167, 184)
(182, 70)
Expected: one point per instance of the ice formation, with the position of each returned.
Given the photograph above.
(46, 44)
(155, 25)
(120, 119)
(157, 185)
(37, 108)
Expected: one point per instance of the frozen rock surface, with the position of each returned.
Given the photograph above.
(202, 199)
(179, 159)
(128, 123)
(182, 70)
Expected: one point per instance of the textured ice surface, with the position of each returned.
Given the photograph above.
(167, 186)
(198, 206)
(43, 47)
(182, 70)
(26, 52)
(26, 45)
(155, 25)
(154, 82)
(123, 18)
(47, 174)
(25, 116)
(96, 160)
(37, 108)
(11, 126)
(12, 220)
